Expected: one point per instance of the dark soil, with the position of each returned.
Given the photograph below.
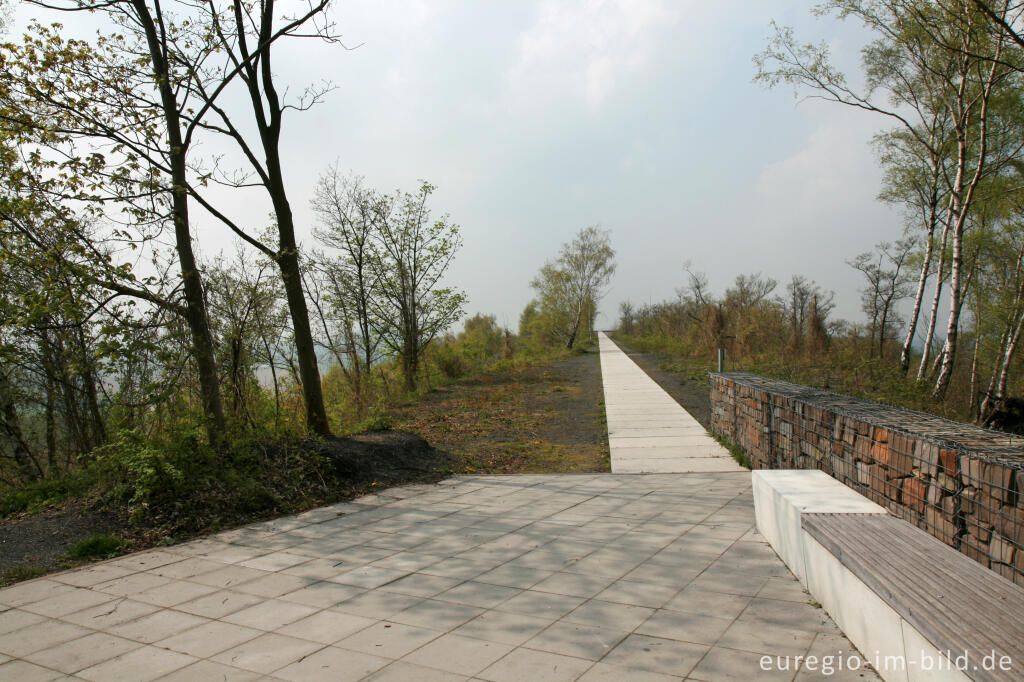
(547, 419)
(353, 466)
(42, 538)
(691, 391)
(382, 457)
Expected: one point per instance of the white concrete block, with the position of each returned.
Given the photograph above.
(925, 663)
(866, 620)
(781, 496)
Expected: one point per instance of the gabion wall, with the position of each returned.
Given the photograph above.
(961, 483)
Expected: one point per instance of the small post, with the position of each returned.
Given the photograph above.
(721, 359)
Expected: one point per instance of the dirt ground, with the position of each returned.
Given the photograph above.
(546, 419)
(692, 391)
(40, 539)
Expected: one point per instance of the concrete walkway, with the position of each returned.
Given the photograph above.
(648, 431)
(589, 577)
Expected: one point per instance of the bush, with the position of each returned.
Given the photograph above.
(450, 361)
(97, 547)
(45, 492)
(139, 469)
(376, 422)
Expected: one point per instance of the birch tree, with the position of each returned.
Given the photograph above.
(570, 287)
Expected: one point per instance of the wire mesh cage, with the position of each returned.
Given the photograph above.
(960, 482)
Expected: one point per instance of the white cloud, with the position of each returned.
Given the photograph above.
(826, 175)
(816, 208)
(587, 47)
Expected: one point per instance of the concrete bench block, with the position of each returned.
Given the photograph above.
(782, 496)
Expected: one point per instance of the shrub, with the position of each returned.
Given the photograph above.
(450, 360)
(375, 422)
(45, 492)
(139, 469)
(97, 547)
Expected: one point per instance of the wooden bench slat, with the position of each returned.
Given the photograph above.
(929, 605)
(931, 619)
(916, 603)
(955, 602)
(862, 543)
(973, 578)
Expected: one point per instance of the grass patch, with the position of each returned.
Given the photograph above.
(738, 453)
(532, 457)
(97, 547)
(376, 422)
(19, 573)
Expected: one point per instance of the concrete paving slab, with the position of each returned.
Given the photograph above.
(615, 576)
(648, 432)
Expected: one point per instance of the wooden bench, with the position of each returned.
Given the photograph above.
(940, 600)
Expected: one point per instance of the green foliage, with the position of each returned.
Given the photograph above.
(45, 492)
(19, 573)
(476, 348)
(569, 289)
(376, 422)
(450, 361)
(97, 547)
(140, 469)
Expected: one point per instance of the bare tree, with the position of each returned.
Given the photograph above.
(802, 298)
(887, 284)
(347, 214)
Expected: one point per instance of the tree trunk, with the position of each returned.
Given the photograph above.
(963, 197)
(410, 366)
(934, 315)
(1001, 374)
(192, 287)
(10, 427)
(915, 313)
(948, 353)
(974, 373)
(575, 327)
(305, 347)
(97, 427)
(51, 425)
(881, 330)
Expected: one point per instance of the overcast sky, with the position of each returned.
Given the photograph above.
(538, 118)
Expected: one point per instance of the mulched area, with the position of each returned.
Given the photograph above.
(693, 392)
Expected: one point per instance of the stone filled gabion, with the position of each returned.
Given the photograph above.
(960, 482)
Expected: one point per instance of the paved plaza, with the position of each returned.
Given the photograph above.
(651, 577)
(563, 577)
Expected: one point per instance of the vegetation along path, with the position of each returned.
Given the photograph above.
(540, 577)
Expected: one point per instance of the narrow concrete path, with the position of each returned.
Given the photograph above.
(648, 431)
